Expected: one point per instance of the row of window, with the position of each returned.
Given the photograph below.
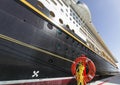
(74, 18)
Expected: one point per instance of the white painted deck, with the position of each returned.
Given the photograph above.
(114, 80)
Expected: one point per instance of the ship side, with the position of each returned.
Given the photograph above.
(40, 39)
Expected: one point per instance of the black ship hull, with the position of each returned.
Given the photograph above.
(29, 44)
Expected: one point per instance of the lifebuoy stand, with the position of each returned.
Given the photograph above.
(83, 69)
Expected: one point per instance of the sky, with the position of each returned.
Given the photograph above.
(106, 18)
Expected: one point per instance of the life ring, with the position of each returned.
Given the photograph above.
(89, 66)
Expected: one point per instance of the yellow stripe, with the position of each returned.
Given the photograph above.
(42, 14)
(33, 47)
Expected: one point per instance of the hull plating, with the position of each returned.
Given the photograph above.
(33, 48)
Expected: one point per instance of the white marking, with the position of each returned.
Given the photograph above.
(35, 73)
(33, 80)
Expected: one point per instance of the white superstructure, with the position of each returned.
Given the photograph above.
(76, 15)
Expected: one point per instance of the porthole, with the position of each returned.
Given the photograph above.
(24, 20)
(52, 14)
(49, 26)
(73, 30)
(76, 25)
(48, 1)
(61, 21)
(74, 18)
(73, 22)
(40, 4)
(50, 61)
(61, 10)
(67, 26)
(67, 37)
(54, 2)
(76, 21)
(58, 46)
(60, 3)
(59, 32)
(73, 14)
(73, 40)
(66, 14)
(66, 10)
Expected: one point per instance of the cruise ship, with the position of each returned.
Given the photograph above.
(40, 40)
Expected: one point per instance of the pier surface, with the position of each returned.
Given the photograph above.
(114, 80)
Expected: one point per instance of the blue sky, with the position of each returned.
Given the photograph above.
(106, 18)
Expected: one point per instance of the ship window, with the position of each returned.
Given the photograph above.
(52, 14)
(59, 32)
(49, 26)
(76, 25)
(73, 40)
(73, 30)
(66, 10)
(79, 20)
(24, 20)
(60, 3)
(58, 46)
(67, 26)
(74, 18)
(61, 21)
(73, 22)
(73, 14)
(62, 10)
(48, 1)
(54, 2)
(76, 21)
(66, 14)
(67, 37)
(40, 4)
(50, 61)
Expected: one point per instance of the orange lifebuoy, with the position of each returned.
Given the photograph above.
(88, 64)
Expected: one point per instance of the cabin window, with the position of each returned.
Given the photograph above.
(48, 1)
(61, 21)
(52, 14)
(73, 30)
(60, 2)
(54, 2)
(49, 26)
(66, 10)
(61, 10)
(59, 32)
(39, 4)
(66, 14)
(67, 26)
(67, 37)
